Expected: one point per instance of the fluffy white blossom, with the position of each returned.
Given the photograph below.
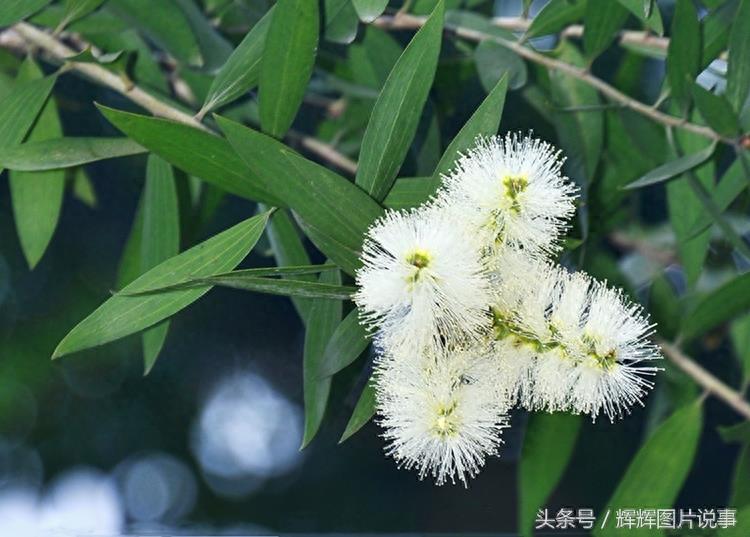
(422, 283)
(512, 191)
(440, 414)
(567, 342)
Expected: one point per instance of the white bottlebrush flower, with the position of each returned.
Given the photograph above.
(422, 283)
(440, 416)
(614, 352)
(513, 190)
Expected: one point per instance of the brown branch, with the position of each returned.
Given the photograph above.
(58, 52)
(412, 22)
(705, 379)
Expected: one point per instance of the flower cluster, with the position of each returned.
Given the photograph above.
(472, 317)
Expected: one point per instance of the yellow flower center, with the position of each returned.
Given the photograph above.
(445, 424)
(419, 259)
(514, 186)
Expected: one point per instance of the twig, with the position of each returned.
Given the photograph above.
(705, 379)
(414, 22)
(59, 52)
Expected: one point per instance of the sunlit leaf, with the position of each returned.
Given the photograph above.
(341, 22)
(369, 10)
(65, 152)
(160, 239)
(288, 59)
(124, 314)
(657, 472)
(396, 113)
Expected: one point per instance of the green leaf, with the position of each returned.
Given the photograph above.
(651, 16)
(323, 200)
(19, 109)
(715, 29)
(738, 66)
(12, 11)
(288, 250)
(408, 192)
(76, 9)
(214, 48)
(37, 196)
(673, 168)
(684, 52)
(194, 151)
(324, 316)
(364, 410)
(241, 71)
(580, 132)
(272, 286)
(742, 528)
(555, 16)
(372, 57)
(341, 22)
(130, 261)
(719, 306)
(739, 432)
(716, 111)
(349, 340)
(65, 152)
(740, 333)
(664, 307)
(83, 188)
(160, 239)
(483, 122)
(657, 472)
(397, 111)
(740, 482)
(164, 23)
(123, 315)
(495, 61)
(288, 59)
(601, 22)
(369, 10)
(547, 448)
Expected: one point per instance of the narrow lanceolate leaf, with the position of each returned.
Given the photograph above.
(684, 52)
(719, 306)
(369, 10)
(12, 11)
(164, 23)
(363, 411)
(348, 341)
(272, 286)
(288, 59)
(651, 16)
(483, 122)
(124, 314)
(656, 474)
(716, 111)
(19, 109)
(324, 200)
(37, 196)
(160, 239)
(288, 250)
(241, 71)
(602, 21)
(65, 153)
(194, 151)
(673, 168)
(324, 317)
(740, 482)
(738, 67)
(547, 448)
(397, 111)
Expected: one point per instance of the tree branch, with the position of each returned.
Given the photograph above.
(58, 52)
(405, 21)
(705, 379)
